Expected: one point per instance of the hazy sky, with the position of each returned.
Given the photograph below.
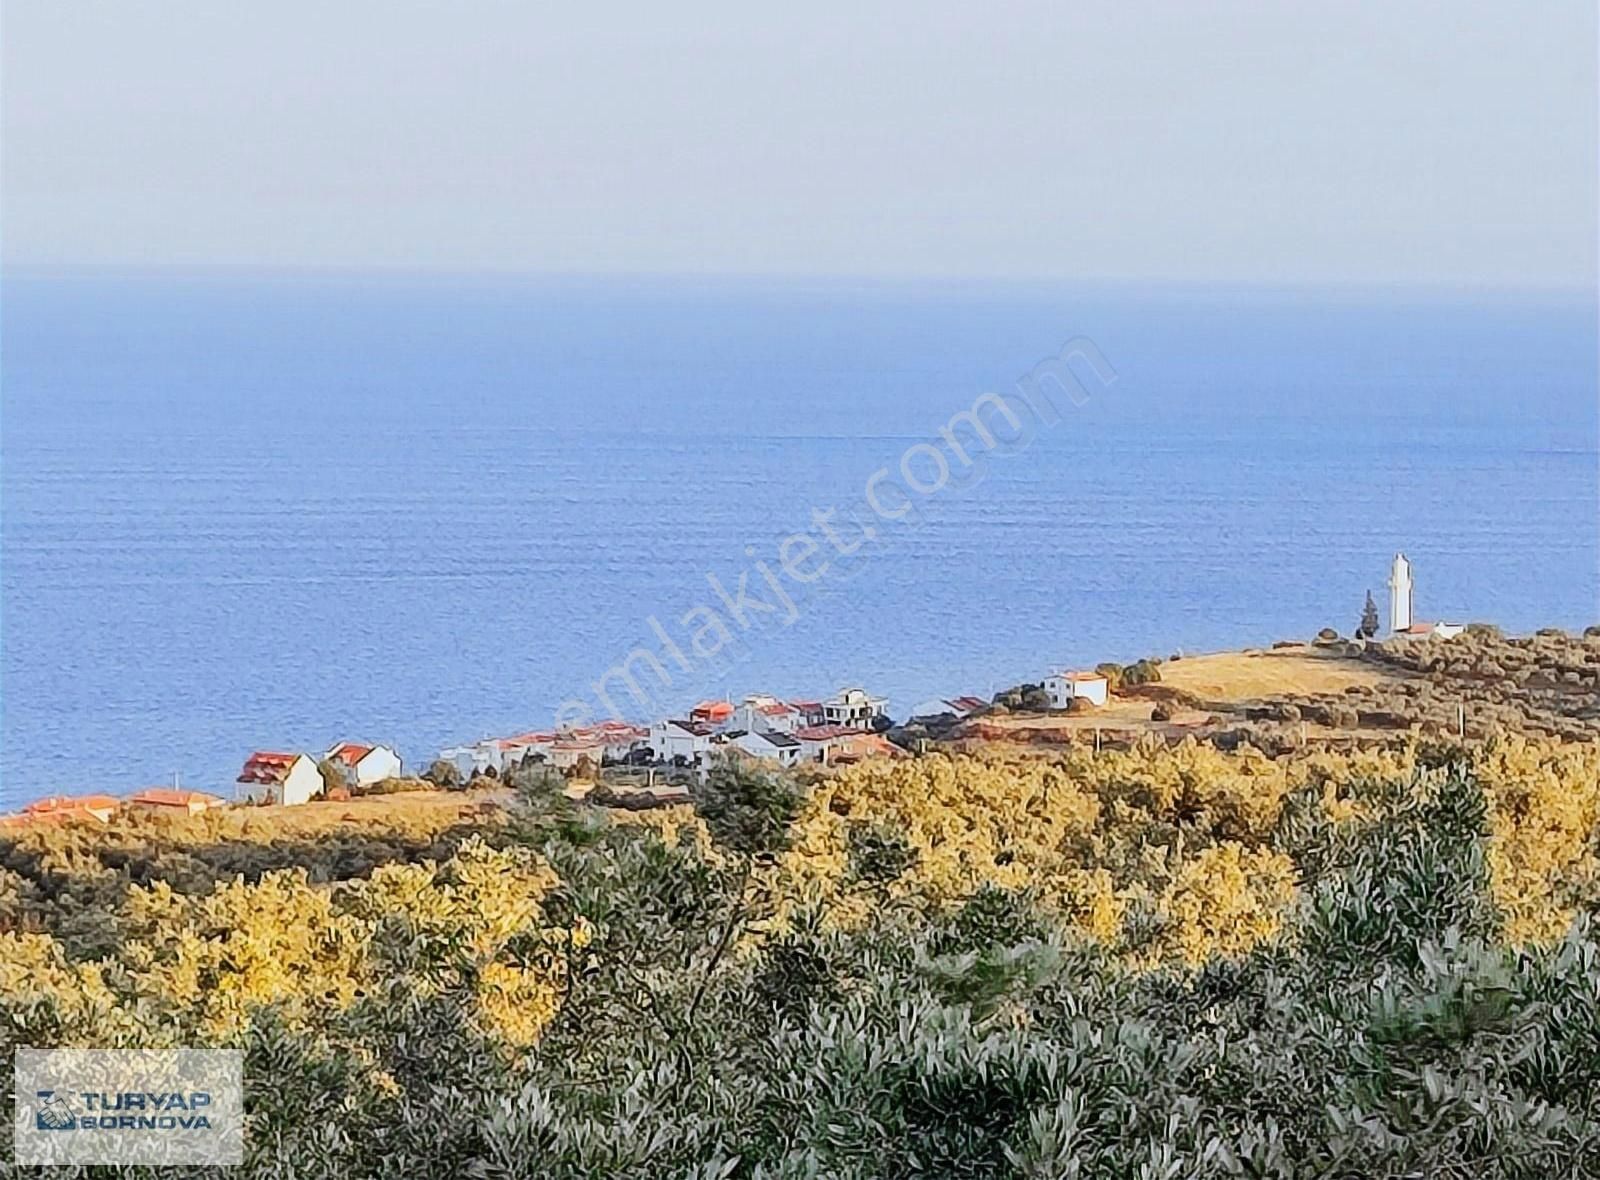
(1378, 140)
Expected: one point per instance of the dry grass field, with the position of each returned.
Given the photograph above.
(1195, 690)
(1237, 676)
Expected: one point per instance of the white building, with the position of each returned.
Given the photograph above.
(365, 764)
(1400, 595)
(1431, 631)
(854, 709)
(567, 752)
(783, 748)
(271, 777)
(1401, 624)
(1064, 687)
(764, 714)
(674, 740)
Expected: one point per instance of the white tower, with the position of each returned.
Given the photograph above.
(1399, 593)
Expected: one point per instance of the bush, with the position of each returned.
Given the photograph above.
(1141, 672)
(392, 786)
(1166, 961)
(443, 774)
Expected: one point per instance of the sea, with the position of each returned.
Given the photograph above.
(261, 510)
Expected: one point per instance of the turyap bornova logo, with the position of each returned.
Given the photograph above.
(53, 1113)
(147, 1110)
(136, 1106)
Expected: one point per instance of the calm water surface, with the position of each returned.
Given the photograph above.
(267, 511)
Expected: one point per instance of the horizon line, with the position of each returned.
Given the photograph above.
(391, 271)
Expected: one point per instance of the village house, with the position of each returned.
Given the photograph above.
(272, 777)
(172, 801)
(504, 753)
(681, 742)
(1064, 687)
(854, 709)
(713, 713)
(364, 764)
(807, 713)
(568, 751)
(762, 714)
(824, 743)
(783, 748)
(617, 739)
(64, 807)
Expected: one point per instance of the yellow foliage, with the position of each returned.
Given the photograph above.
(1090, 834)
(1544, 808)
(204, 964)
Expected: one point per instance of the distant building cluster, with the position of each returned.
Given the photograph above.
(842, 728)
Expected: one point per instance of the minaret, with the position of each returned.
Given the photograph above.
(1399, 594)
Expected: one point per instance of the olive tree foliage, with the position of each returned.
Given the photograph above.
(749, 805)
(1390, 1032)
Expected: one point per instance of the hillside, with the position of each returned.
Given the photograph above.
(1481, 683)
(1042, 963)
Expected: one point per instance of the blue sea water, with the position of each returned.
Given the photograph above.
(256, 510)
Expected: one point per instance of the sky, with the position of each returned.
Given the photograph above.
(1362, 141)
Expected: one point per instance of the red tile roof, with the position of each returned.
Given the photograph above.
(970, 704)
(351, 753)
(67, 804)
(267, 766)
(535, 738)
(168, 797)
(824, 733)
(712, 711)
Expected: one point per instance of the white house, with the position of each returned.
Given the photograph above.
(822, 743)
(365, 764)
(783, 748)
(471, 760)
(1431, 631)
(763, 714)
(675, 739)
(568, 751)
(617, 739)
(1064, 687)
(854, 709)
(271, 777)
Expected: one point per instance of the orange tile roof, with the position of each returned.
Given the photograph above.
(351, 752)
(267, 766)
(824, 733)
(170, 797)
(59, 804)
